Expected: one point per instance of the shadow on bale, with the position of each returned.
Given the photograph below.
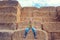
(58, 18)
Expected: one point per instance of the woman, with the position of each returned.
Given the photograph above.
(27, 30)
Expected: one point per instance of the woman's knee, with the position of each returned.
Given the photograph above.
(33, 29)
(27, 29)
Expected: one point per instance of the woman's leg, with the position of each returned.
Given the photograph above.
(34, 32)
(26, 32)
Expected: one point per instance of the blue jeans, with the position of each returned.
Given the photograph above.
(33, 30)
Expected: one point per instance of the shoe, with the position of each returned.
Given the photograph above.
(24, 37)
(35, 37)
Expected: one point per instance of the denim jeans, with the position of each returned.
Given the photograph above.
(33, 30)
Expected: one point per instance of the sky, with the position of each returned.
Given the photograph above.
(39, 3)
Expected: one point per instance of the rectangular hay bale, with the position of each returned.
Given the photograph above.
(7, 26)
(57, 35)
(41, 14)
(8, 15)
(5, 36)
(49, 19)
(52, 27)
